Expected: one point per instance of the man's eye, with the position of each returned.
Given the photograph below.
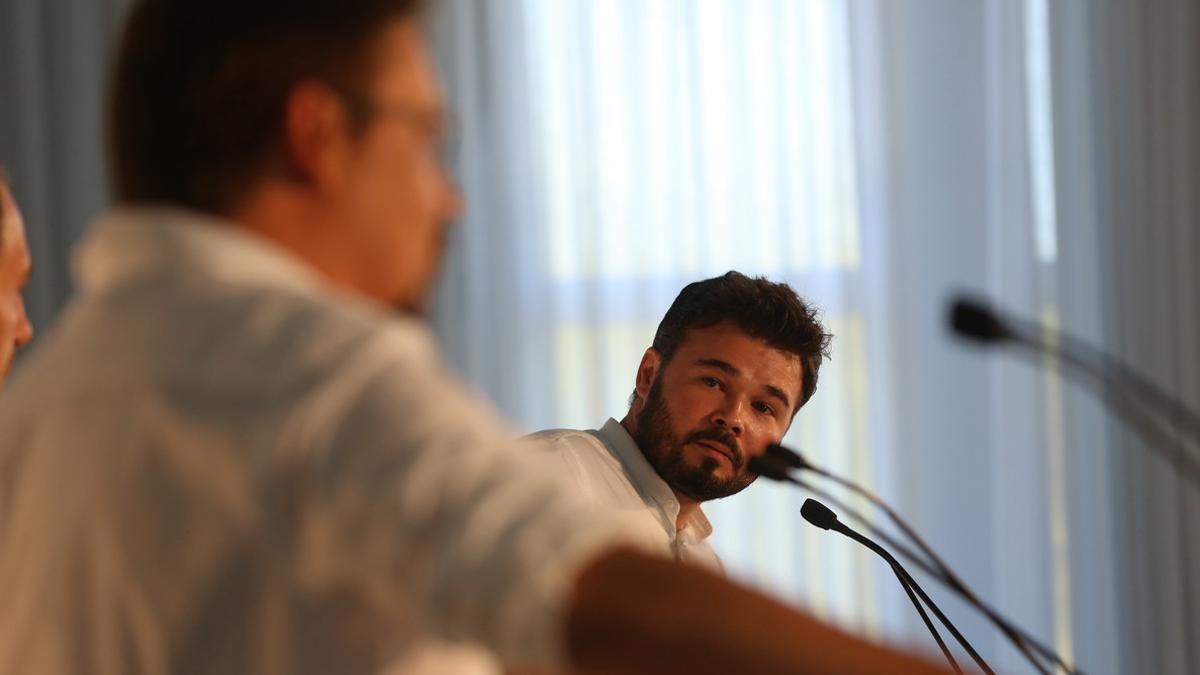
(764, 408)
(710, 381)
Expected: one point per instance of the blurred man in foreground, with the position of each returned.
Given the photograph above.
(230, 457)
(15, 267)
(732, 362)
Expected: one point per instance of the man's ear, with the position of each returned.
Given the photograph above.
(314, 138)
(647, 372)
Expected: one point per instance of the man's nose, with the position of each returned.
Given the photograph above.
(729, 416)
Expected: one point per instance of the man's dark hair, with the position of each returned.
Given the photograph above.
(764, 310)
(198, 92)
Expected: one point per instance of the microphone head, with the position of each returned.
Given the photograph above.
(769, 467)
(975, 320)
(818, 514)
(788, 456)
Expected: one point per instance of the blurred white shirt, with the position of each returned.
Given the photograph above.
(608, 469)
(216, 463)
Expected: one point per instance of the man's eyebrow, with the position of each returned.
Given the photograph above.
(719, 365)
(778, 393)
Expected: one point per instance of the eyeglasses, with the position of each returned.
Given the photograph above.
(439, 126)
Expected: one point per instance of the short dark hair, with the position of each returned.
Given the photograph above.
(763, 309)
(197, 95)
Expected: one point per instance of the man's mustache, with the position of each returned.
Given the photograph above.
(723, 437)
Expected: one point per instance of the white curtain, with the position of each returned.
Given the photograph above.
(879, 155)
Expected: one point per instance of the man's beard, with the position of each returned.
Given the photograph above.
(665, 452)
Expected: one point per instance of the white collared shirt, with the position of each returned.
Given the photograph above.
(610, 471)
(217, 463)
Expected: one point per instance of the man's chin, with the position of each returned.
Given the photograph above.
(720, 474)
(416, 309)
(709, 472)
(413, 303)
(417, 301)
(715, 478)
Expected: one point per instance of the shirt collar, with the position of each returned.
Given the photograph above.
(134, 242)
(649, 483)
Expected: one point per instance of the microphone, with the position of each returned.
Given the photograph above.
(776, 462)
(821, 516)
(973, 319)
(1121, 388)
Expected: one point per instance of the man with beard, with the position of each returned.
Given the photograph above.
(15, 268)
(733, 360)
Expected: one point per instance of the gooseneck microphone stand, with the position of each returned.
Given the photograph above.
(819, 515)
(778, 462)
(1022, 640)
(1128, 394)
